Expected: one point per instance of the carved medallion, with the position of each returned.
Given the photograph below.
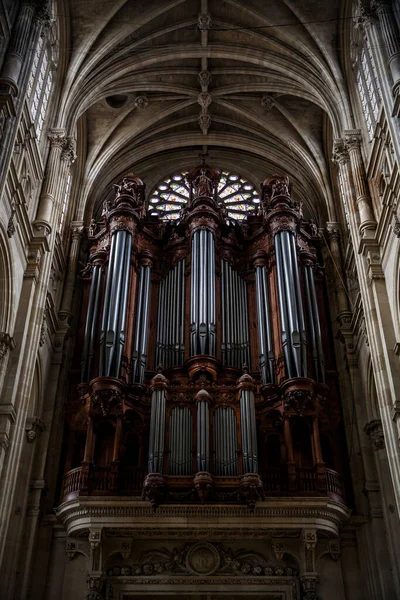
(203, 559)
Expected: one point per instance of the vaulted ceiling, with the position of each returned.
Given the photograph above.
(255, 83)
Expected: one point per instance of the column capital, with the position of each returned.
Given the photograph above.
(57, 138)
(77, 229)
(68, 153)
(333, 230)
(353, 138)
(340, 153)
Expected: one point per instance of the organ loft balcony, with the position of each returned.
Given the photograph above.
(204, 373)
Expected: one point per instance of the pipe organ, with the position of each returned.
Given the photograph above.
(208, 342)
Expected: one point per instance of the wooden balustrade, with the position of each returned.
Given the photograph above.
(130, 481)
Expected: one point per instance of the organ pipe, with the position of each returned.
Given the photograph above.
(180, 441)
(234, 310)
(202, 308)
(203, 431)
(157, 432)
(290, 305)
(264, 325)
(225, 441)
(142, 316)
(248, 428)
(112, 334)
(170, 347)
(315, 327)
(91, 323)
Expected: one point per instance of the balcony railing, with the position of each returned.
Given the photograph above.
(128, 481)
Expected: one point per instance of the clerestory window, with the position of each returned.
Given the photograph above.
(368, 87)
(39, 85)
(238, 195)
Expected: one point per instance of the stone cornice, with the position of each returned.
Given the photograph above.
(84, 513)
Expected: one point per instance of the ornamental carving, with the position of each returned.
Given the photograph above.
(204, 79)
(300, 400)
(96, 587)
(141, 101)
(106, 399)
(6, 343)
(374, 431)
(204, 99)
(201, 559)
(267, 102)
(340, 153)
(57, 138)
(204, 123)
(204, 22)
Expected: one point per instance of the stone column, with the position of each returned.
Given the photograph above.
(333, 230)
(77, 230)
(19, 45)
(43, 221)
(391, 37)
(363, 199)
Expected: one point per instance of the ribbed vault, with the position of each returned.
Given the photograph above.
(264, 76)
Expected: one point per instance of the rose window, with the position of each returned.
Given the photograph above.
(239, 196)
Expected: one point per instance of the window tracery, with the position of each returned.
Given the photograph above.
(368, 87)
(238, 195)
(40, 85)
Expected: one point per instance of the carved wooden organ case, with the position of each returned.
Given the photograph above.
(204, 363)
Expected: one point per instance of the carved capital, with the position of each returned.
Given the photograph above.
(353, 139)
(340, 152)
(68, 153)
(57, 138)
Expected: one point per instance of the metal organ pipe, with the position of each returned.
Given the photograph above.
(315, 327)
(203, 428)
(291, 306)
(202, 307)
(225, 441)
(170, 321)
(91, 323)
(180, 441)
(234, 316)
(112, 334)
(248, 428)
(157, 432)
(142, 315)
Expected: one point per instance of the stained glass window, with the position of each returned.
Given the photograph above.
(170, 196)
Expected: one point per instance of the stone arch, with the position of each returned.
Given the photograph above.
(6, 286)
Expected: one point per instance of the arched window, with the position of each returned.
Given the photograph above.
(40, 85)
(239, 196)
(368, 87)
